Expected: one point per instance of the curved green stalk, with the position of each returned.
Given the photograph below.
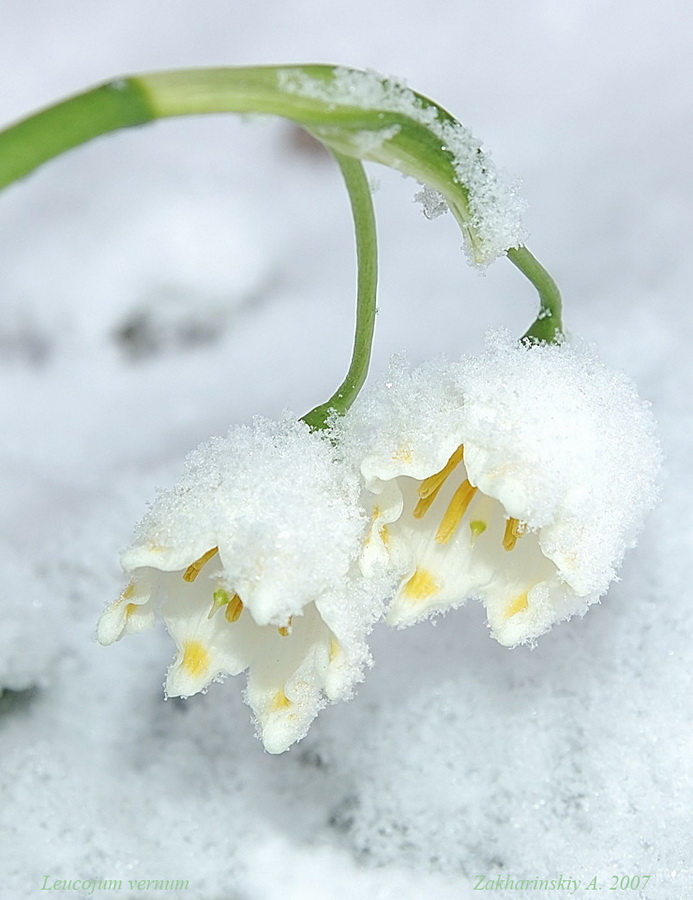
(548, 326)
(367, 259)
(357, 115)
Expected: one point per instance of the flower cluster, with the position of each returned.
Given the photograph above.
(519, 477)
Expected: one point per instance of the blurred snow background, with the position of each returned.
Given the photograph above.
(162, 283)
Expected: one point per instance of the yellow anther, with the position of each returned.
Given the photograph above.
(193, 569)
(279, 701)
(424, 504)
(129, 609)
(434, 483)
(518, 604)
(456, 509)
(285, 630)
(421, 585)
(513, 530)
(195, 659)
(384, 533)
(234, 609)
(477, 528)
(129, 591)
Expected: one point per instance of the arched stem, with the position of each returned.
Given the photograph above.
(367, 281)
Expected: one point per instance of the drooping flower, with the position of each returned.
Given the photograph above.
(520, 477)
(250, 561)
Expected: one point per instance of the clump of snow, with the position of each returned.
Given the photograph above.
(495, 209)
(432, 202)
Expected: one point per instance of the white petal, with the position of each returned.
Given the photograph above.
(285, 680)
(131, 613)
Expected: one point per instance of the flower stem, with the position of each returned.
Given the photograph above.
(357, 115)
(367, 260)
(548, 326)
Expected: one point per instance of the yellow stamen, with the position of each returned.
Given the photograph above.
(234, 609)
(285, 630)
(421, 585)
(513, 530)
(433, 483)
(193, 569)
(456, 509)
(279, 701)
(518, 604)
(477, 528)
(195, 659)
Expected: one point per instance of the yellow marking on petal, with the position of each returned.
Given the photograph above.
(477, 528)
(519, 604)
(129, 609)
(279, 701)
(421, 585)
(195, 659)
(433, 483)
(129, 591)
(335, 649)
(454, 513)
(384, 533)
(404, 454)
(513, 530)
(234, 609)
(285, 630)
(375, 515)
(193, 569)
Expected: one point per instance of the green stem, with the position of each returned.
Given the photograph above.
(367, 259)
(548, 326)
(52, 131)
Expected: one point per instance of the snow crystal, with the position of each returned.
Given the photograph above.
(432, 202)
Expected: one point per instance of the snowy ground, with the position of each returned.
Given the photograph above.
(158, 285)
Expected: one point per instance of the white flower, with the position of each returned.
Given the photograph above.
(520, 477)
(250, 561)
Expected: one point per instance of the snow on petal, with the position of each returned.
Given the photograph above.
(254, 555)
(528, 473)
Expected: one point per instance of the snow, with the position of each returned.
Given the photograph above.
(458, 757)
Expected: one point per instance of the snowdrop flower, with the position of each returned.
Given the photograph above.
(520, 476)
(250, 561)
